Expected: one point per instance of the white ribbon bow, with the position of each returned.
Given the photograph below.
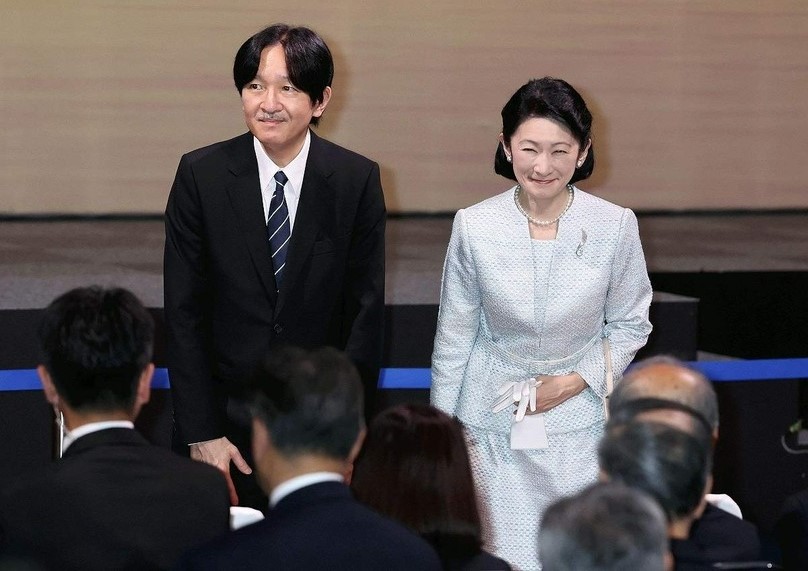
(522, 392)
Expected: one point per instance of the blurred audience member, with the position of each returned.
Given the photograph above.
(666, 385)
(414, 468)
(606, 527)
(113, 501)
(671, 466)
(307, 427)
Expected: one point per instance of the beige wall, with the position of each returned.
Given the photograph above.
(698, 104)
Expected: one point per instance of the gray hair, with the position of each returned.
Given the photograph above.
(606, 527)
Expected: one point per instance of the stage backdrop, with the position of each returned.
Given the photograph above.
(698, 104)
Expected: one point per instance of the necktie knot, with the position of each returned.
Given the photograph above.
(280, 178)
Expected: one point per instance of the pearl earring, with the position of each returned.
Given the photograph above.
(508, 158)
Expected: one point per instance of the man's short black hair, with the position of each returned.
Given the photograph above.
(308, 59)
(310, 401)
(96, 342)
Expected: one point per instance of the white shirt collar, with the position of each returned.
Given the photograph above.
(294, 171)
(294, 484)
(91, 427)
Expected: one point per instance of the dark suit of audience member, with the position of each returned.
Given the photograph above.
(231, 291)
(669, 387)
(414, 468)
(307, 428)
(113, 501)
(606, 527)
(723, 537)
(792, 531)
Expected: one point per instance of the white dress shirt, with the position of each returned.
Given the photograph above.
(85, 429)
(294, 484)
(294, 171)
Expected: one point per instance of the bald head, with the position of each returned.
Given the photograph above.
(667, 379)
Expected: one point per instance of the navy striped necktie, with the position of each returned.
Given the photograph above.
(278, 228)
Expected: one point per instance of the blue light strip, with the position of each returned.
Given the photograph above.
(420, 378)
(753, 370)
(28, 380)
(405, 379)
(19, 380)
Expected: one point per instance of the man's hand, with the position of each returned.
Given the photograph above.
(219, 453)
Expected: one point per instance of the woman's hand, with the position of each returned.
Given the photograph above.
(555, 390)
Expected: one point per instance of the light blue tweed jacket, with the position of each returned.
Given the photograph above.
(493, 327)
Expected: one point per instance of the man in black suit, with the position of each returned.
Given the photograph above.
(275, 236)
(113, 501)
(307, 427)
(717, 534)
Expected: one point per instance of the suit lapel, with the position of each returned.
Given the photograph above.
(316, 198)
(515, 230)
(245, 196)
(571, 231)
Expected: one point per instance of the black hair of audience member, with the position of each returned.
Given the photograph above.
(310, 401)
(96, 342)
(414, 468)
(606, 527)
(308, 59)
(547, 98)
(668, 464)
(644, 378)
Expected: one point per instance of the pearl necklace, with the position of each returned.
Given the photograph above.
(536, 221)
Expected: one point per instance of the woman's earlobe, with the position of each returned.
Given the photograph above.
(505, 150)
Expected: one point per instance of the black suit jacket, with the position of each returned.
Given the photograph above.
(318, 527)
(792, 531)
(688, 556)
(114, 501)
(221, 305)
(484, 561)
(722, 537)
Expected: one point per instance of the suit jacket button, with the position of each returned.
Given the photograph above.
(278, 328)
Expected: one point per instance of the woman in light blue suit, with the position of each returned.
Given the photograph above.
(544, 299)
